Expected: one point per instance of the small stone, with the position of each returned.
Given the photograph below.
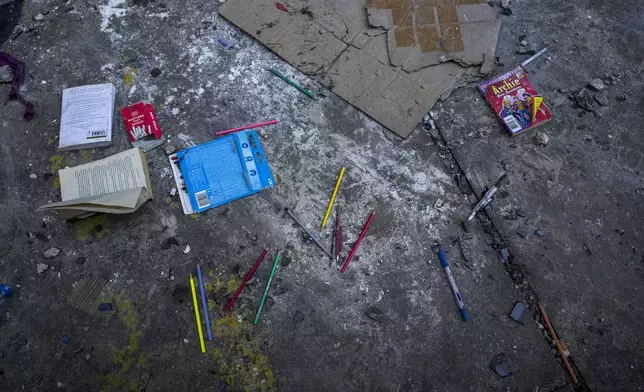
(287, 257)
(596, 85)
(42, 267)
(169, 149)
(540, 232)
(87, 357)
(192, 37)
(541, 139)
(39, 17)
(620, 231)
(77, 351)
(6, 74)
(601, 100)
(438, 204)
(33, 176)
(187, 249)
(175, 111)
(505, 4)
(85, 329)
(523, 42)
(51, 252)
(155, 72)
(185, 341)
(522, 232)
(298, 317)
(504, 255)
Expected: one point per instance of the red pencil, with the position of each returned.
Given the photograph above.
(226, 132)
(360, 237)
(246, 278)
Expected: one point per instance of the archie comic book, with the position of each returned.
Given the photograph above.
(515, 101)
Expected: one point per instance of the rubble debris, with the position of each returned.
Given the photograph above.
(504, 255)
(155, 72)
(18, 68)
(505, 4)
(42, 267)
(540, 232)
(506, 11)
(224, 42)
(33, 176)
(503, 365)
(530, 49)
(518, 313)
(187, 249)
(51, 253)
(39, 17)
(298, 318)
(585, 99)
(374, 313)
(620, 231)
(439, 204)
(6, 74)
(169, 149)
(85, 295)
(541, 139)
(601, 100)
(596, 84)
(522, 231)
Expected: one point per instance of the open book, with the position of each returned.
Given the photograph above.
(118, 184)
(86, 117)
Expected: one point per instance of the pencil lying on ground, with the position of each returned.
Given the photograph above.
(452, 283)
(360, 237)
(246, 279)
(558, 344)
(291, 82)
(204, 302)
(262, 124)
(194, 302)
(337, 235)
(315, 240)
(268, 287)
(335, 192)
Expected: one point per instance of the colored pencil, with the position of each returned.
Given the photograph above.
(452, 283)
(262, 124)
(335, 192)
(558, 344)
(204, 302)
(337, 235)
(268, 287)
(194, 302)
(360, 237)
(291, 82)
(246, 279)
(315, 240)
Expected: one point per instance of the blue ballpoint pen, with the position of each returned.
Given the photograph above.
(204, 302)
(457, 294)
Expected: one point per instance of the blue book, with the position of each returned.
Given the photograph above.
(220, 171)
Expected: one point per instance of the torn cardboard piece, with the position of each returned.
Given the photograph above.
(332, 42)
(421, 33)
(118, 184)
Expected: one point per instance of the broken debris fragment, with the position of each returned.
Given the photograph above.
(540, 232)
(585, 99)
(541, 139)
(518, 313)
(224, 42)
(503, 365)
(42, 267)
(596, 84)
(51, 252)
(374, 313)
(504, 255)
(6, 74)
(85, 295)
(298, 317)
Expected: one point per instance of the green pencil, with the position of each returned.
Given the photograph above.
(268, 287)
(291, 82)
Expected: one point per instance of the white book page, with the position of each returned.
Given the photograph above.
(86, 116)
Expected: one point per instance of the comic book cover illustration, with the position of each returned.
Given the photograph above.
(515, 101)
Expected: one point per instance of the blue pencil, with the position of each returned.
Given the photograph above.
(457, 294)
(204, 302)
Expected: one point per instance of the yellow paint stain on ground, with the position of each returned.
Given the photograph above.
(129, 76)
(56, 162)
(127, 360)
(94, 226)
(86, 156)
(238, 354)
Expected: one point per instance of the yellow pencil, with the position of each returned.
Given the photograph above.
(335, 192)
(194, 301)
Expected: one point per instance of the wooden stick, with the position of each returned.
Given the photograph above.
(558, 344)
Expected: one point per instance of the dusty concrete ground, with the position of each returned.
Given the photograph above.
(416, 343)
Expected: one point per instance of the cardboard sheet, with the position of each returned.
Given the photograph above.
(331, 41)
(421, 33)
